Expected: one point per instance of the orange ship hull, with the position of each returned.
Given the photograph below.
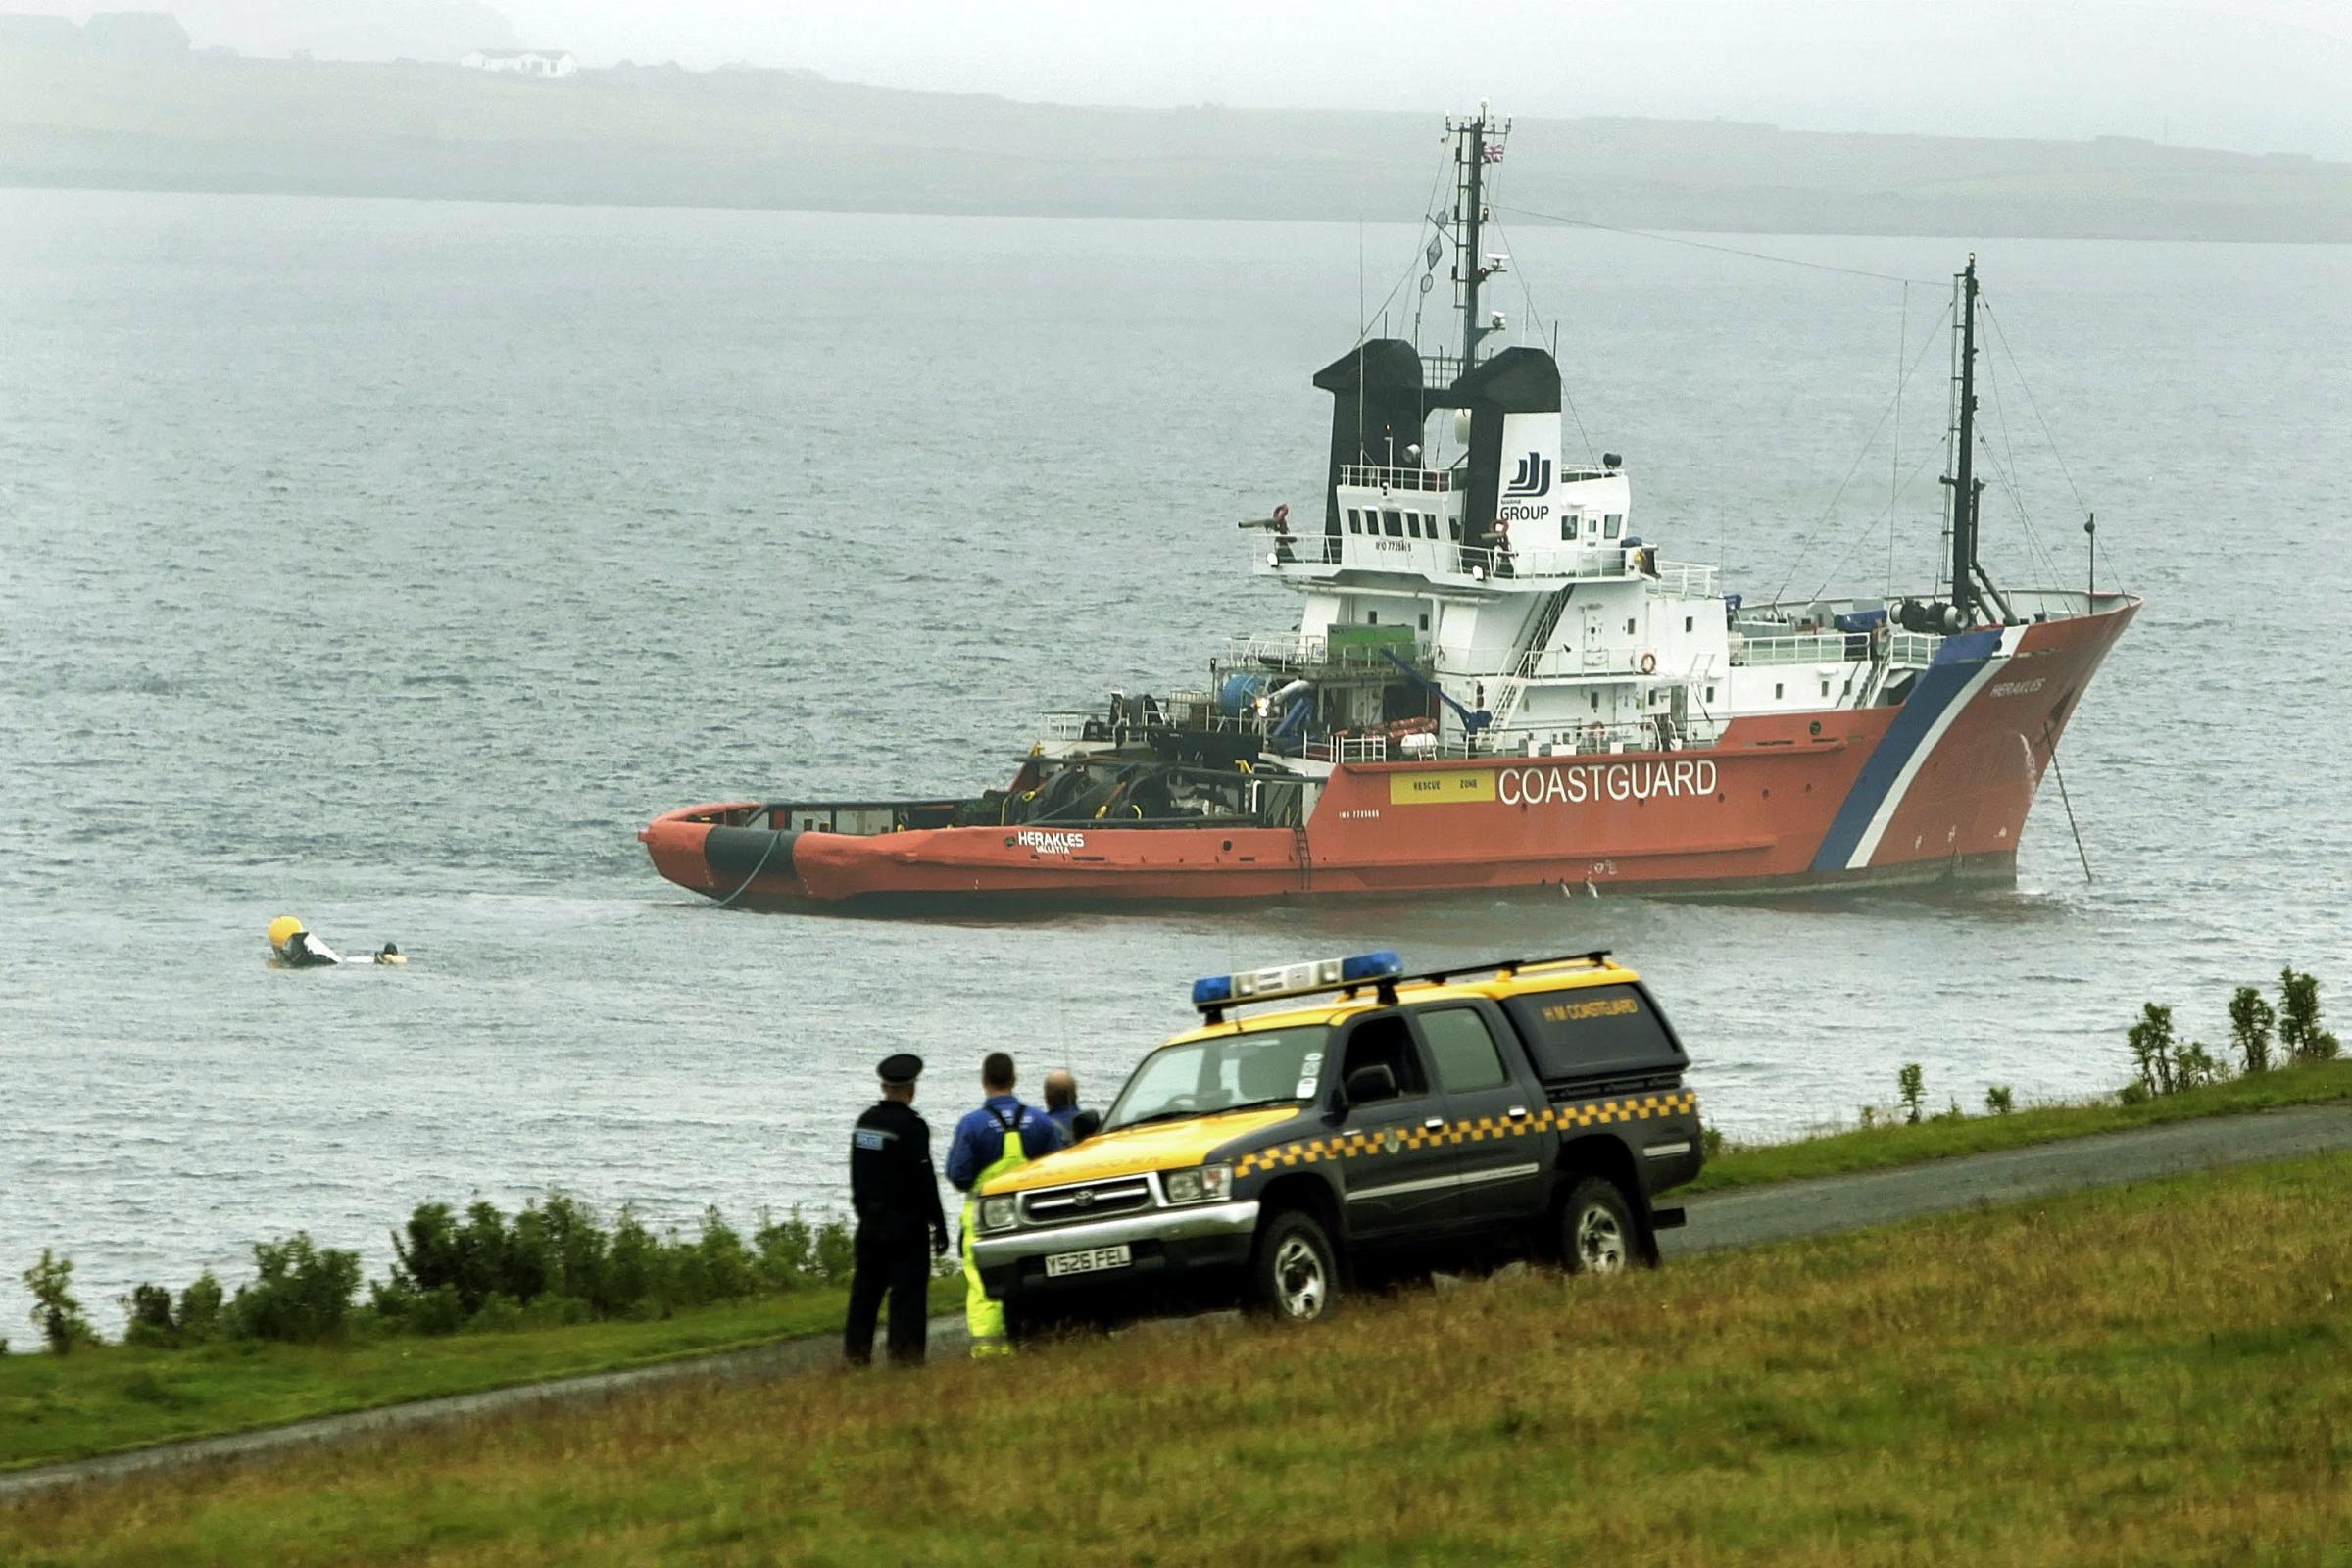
(1937, 787)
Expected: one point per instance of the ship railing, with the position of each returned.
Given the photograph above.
(1302, 652)
(1378, 476)
(1904, 650)
(1443, 559)
(1911, 650)
(1423, 748)
(1686, 579)
(1608, 740)
(1439, 559)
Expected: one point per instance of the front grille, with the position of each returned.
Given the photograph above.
(1056, 1205)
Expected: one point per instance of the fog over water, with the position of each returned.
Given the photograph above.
(390, 563)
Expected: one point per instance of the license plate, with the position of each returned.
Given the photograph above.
(1086, 1263)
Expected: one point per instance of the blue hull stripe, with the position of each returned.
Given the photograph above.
(1955, 664)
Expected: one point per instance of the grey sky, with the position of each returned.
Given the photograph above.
(2256, 76)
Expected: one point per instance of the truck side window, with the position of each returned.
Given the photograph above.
(1594, 1032)
(1385, 1042)
(1461, 1051)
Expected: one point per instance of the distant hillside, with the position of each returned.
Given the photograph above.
(744, 138)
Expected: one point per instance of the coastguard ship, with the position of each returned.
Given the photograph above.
(1496, 683)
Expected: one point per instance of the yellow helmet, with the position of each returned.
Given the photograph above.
(283, 929)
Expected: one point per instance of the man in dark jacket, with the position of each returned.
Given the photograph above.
(897, 1199)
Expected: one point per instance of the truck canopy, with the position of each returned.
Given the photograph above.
(1596, 1032)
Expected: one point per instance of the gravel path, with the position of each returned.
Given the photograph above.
(1746, 1218)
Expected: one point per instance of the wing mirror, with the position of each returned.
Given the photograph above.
(1370, 1083)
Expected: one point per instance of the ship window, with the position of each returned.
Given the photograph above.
(1371, 617)
(1629, 628)
(1825, 688)
(1413, 523)
(1394, 523)
(1595, 700)
(1568, 524)
(1616, 521)
(1355, 520)
(1686, 626)
(1454, 525)
(1710, 694)
(1425, 620)
(1775, 691)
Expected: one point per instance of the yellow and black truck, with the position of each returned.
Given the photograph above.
(1341, 1119)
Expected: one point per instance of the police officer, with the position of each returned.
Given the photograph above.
(897, 1200)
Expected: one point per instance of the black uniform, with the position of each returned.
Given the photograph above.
(900, 1228)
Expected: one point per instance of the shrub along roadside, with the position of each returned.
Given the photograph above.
(553, 1263)
(2172, 1082)
(1885, 1143)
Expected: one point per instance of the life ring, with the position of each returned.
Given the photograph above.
(1648, 663)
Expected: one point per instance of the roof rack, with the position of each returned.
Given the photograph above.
(1384, 986)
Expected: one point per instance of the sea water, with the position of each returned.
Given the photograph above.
(389, 563)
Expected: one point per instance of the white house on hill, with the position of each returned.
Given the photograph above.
(524, 62)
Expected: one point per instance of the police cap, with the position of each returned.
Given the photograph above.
(903, 1068)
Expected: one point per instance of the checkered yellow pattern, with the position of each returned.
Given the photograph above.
(1553, 1118)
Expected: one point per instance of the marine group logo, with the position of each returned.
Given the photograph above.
(1533, 478)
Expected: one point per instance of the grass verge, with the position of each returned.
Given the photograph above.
(1896, 1144)
(109, 1398)
(2127, 1376)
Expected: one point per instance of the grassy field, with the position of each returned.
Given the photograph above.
(2152, 1374)
(117, 1397)
(1893, 1144)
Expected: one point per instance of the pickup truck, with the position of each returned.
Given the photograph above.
(1374, 1123)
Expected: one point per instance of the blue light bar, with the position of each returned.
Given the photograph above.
(1295, 979)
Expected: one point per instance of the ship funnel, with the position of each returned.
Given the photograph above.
(1377, 407)
(1513, 403)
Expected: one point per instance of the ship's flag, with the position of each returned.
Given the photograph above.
(1493, 152)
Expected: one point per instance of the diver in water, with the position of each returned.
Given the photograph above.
(292, 947)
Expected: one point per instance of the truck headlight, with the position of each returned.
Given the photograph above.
(1000, 1213)
(1209, 1184)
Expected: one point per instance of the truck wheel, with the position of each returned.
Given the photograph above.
(1294, 1277)
(1597, 1234)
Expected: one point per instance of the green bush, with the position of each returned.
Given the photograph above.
(55, 1311)
(836, 1252)
(147, 1314)
(2250, 1021)
(785, 1250)
(1912, 1087)
(499, 1314)
(2152, 1049)
(1999, 1101)
(550, 1263)
(300, 1294)
(199, 1315)
(2299, 1032)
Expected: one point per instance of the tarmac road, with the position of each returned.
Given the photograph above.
(1783, 1211)
(1787, 1211)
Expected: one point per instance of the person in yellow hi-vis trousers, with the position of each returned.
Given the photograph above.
(1002, 1135)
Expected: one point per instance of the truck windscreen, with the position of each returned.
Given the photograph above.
(1206, 1076)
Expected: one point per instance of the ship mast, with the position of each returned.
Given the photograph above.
(1471, 155)
(1971, 585)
